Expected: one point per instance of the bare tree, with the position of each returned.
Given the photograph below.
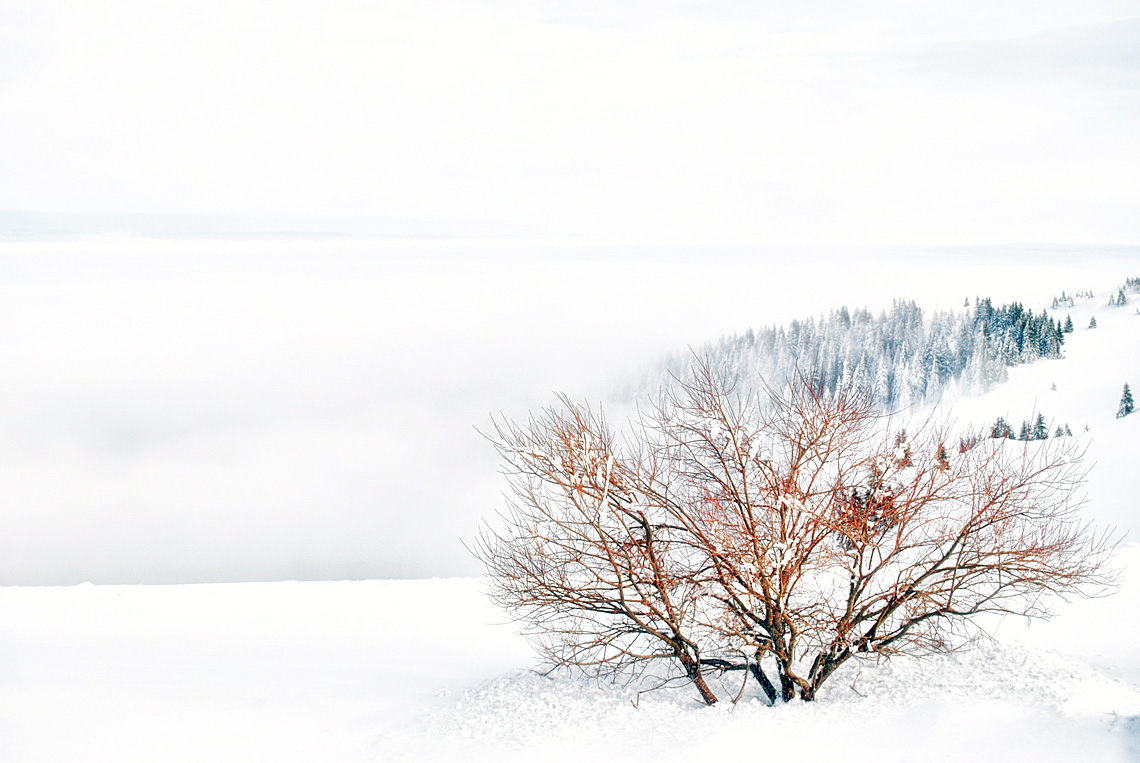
(778, 534)
(587, 557)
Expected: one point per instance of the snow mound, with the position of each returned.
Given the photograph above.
(1015, 684)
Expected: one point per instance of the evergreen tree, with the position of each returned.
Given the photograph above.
(1092, 322)
(1001, 430)
(1126, 404)
(967, 443)
(1068, 432)
(1023, 435)
(943, 457)
(1068, 329)
(882, 388)
(1058, 432)
(1040, 429)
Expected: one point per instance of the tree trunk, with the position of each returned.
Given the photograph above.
(693, 672)
(765, 684)
(787, 685)
(820, 674)
(703, 688)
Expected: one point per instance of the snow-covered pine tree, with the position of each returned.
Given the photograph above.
(1001, 430)
(1068, 329)
(1040, 429)
(1092, 322)
(1126, 404)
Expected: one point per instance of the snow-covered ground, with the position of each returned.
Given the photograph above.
(427, 669)
(424, 670)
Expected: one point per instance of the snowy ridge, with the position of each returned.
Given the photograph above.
(900, 358)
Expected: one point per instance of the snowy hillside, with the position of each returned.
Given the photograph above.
(899, 358)
(427, 670)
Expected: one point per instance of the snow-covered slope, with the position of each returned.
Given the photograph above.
(1089, 381)
(428, 670)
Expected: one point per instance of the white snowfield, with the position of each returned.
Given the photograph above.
(425, 670)
(428, 669)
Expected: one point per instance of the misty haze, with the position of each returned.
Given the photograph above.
(269, 273)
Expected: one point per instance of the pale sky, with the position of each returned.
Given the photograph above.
(806, 122)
